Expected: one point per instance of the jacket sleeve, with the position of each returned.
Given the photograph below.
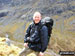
(27, 33)
(44, 38)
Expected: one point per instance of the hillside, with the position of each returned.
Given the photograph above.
(16, 15)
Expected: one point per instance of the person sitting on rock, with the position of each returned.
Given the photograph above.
(35, 40)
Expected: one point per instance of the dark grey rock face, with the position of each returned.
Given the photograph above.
(3, 13)
(21, 12)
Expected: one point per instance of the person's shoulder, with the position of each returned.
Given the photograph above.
(44, 27)
(31, 23)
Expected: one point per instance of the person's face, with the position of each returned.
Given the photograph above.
(37, 18)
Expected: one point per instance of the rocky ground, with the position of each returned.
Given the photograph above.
(6, 50)
(13, 50)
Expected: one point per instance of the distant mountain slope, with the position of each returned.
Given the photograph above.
(20, 13)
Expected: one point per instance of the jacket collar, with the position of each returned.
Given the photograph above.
(37, 23)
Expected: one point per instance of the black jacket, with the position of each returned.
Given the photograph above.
(37, 39)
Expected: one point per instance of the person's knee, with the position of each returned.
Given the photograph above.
(22, 52)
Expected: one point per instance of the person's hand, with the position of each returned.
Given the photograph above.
(25, 44)
(41, 54)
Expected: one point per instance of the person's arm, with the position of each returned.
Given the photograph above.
(44, 38)
(27, 34)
